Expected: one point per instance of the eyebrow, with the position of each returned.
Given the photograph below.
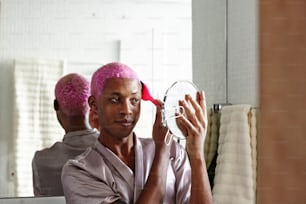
(119, 94)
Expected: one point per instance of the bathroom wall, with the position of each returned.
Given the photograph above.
(225, 58)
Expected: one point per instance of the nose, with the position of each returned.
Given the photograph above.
(126, 107)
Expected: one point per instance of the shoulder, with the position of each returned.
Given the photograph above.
(78, 168)
(86, 160)
(47, 152)
(90, 163)
(89, 168)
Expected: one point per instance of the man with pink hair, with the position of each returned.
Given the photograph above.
(71, 106)
(125, 168)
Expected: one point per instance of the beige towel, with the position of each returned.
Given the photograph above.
(34, 120)
(253, 133)
(234, 176)
(211, 140)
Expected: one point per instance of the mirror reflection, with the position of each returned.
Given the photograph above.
(42, 41)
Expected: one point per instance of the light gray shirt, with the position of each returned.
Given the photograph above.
(99, 176)
(47, 163)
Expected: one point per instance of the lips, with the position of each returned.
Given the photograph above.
(125, 122)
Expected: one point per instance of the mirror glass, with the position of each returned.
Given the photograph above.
(42, 40)
(174, 93)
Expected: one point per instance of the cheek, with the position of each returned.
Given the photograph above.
(105, 112)
(137, 111)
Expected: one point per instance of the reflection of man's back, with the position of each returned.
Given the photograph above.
(71, 107)
(47, 164)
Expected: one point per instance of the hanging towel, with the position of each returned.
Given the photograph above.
(211, 140)
(34, 119)
(234, 175)
(211, 144)
(253, 133)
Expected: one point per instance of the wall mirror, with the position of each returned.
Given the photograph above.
(156, 37)
(42, 40)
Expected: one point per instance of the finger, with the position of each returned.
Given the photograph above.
(185, 125)
(190, 111)
(201, 99)
(199, 106)
(180, 124)
(159, 131)
(202, 102)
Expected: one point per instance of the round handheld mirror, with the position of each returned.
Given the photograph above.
(174, 93)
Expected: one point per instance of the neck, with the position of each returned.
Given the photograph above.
(123, 148)
(76, 124)
(117, 145)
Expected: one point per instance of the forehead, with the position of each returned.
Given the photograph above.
(122, 86)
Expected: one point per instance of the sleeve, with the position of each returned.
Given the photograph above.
(182, 170)
(80, 186)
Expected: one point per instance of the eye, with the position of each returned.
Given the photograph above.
(115, 99)
(134, 100)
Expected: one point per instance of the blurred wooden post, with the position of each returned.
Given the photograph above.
(282, 120)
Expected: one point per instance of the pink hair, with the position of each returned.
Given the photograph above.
(111, 70)
(72, 92)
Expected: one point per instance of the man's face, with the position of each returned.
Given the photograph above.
(119, 107)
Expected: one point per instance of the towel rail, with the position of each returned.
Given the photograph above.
(217, 107)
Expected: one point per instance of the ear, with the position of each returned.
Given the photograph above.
(92, 103)
(55, 105)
